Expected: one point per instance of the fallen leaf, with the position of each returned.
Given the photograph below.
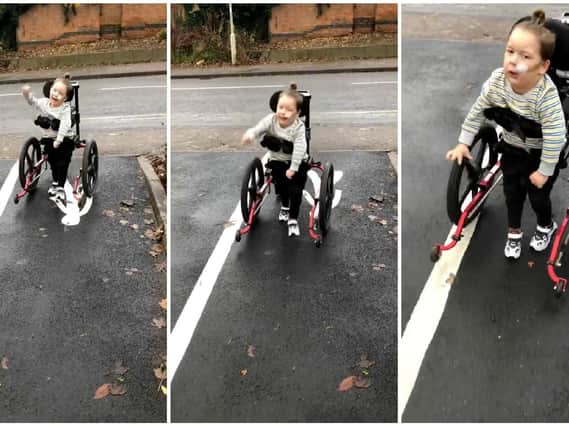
(377, 199)
(228, 224)
(148, 211)
(117, 389)
(160, 373)
(382, 222)
(128, 203)
(108, 212)
(123, 209)
(148, 221)
(450, 279)
(163, 389)
(164, 304)
(347, 383)
(118, 368)
(378, 267)
(362, 382)
(251, 351)
(372, 217)
(357, 208)
(4, 362)
(372, 205)
(159, 323)
(103, 391)
(123, 222)
(243, 372)
(133, 226)
(531, 264)
(161, 267)
(157, 247)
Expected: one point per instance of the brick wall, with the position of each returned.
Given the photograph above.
(45, 24)
(290, 21)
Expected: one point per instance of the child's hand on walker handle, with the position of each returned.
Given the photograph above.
(458, 153)
(538, 179)
(290, 173)
(26, 91)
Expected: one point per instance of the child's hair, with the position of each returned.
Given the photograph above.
(291, 91)
(535, 25)
(67, 82)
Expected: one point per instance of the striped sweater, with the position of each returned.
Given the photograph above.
(62, 113)
(541, 104)
(295, 133)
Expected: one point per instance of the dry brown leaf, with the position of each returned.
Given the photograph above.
(531, 264)
(123, 222)
(118, 368)
(108, 212)
(251, 351)
(161, 267)
(357, 208)
(450, 279)
(159, 323)
(117, 389)
(4, 362)
(127, 203)
(376, 199)
(243, 372)
(160, 373)
(382, 222)
(347, 383)
(133, 226)
(103, 391)
(364, 363)
(164, 304)
(148, 221)
(362, 382)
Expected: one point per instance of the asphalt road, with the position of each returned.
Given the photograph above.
(125, 115)
(498, 353)
(348, 110)
(71, 305)
(310, 313)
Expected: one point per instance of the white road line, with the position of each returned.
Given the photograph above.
(359, 112)
(394, 82)
(134, 87)
(7, 187)
(129, 117)
(226, 87)
(426, 315)
(11, 94)
(180, 338)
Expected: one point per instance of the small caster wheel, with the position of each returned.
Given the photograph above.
(237, 236)
(318, 243)
(558, 290)
(16, 200)
(435, 253)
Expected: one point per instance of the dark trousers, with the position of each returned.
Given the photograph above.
(59, 158)
(290, 190)
(517, 166)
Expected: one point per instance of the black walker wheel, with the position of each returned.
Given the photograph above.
(326, 198)
(252, 182)
(30, 155)
(463, 180)
(90, 168)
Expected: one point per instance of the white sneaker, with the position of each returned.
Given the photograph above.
(51, 191)
(513, 247)
(283, 214)
(542, 236)
(293, 229)
(59, 194)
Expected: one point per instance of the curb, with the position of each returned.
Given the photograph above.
(393, 159)
(372, 51)
(79, 76)
(157, 193)
(245, 73)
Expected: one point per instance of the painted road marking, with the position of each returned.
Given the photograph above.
(359, 112)
(134, 87)
(11, 94)
(427, 314)
(7, 187)
(376, 83)
(181, 336)
(227, 87)
(128, 117)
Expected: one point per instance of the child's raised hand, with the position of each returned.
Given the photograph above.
(247, 138)
(26, 90)
(290, 173)
(458, 153)
(538, 179)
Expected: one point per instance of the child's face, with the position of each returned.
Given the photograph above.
(523, 64)
(57, 94)
(286, 111)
